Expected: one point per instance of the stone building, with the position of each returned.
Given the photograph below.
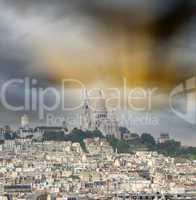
(98, 117)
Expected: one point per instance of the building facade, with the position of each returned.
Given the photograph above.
(98, 118)
(164, 137)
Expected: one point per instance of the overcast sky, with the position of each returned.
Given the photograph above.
(151, 43)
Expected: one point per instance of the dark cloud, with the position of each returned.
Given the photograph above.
(46, 8)
(158, 20)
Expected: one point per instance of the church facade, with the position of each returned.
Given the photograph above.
(98, 118)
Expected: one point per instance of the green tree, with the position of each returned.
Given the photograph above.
(120, 145)
(170, 148)
(148, 140)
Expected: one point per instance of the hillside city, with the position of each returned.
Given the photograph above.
(98, 160)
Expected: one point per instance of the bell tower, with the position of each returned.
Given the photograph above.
(85, 117)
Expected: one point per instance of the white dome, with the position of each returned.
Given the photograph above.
(100, 104)
(24, 121)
